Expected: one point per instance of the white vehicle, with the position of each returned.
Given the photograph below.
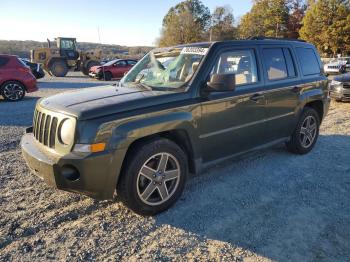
(336, 66)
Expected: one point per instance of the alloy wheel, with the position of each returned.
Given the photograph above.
(13, 91)
(158, 179)
(308, 131)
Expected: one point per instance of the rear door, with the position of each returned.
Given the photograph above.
(282, 90)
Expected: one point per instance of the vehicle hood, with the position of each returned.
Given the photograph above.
(94, 69)
(342, 78)
(101, 101)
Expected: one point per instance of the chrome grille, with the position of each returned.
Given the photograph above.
(45, 128)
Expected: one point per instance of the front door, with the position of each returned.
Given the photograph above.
(119, 69)
(234, 122)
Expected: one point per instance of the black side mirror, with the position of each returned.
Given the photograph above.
(222, 83)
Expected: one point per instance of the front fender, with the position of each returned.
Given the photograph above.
(125, 133)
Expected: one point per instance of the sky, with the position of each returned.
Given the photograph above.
(121, 22)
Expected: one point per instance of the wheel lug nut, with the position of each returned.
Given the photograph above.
(154, 183)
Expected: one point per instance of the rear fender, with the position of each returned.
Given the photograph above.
(309, 96)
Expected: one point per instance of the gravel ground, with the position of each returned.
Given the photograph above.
(271, 205)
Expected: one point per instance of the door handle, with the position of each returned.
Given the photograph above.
(257, 97)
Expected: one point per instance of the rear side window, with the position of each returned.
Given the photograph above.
(308, 60)
(275, 63)
(3, 61)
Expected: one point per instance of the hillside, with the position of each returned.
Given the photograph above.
(22, 48)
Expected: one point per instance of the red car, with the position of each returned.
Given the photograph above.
(112, 69)
(15, 78)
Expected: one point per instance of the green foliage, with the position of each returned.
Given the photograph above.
(187, 22)
(222, 27)
(267, 18)
(327, 25)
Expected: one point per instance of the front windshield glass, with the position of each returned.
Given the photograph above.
(166, 68)
(110, 62)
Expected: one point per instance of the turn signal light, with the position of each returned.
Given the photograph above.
(94, 148)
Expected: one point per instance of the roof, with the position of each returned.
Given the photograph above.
(252, 40)
(6, 55)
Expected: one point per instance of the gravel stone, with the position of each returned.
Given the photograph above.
(268, 206)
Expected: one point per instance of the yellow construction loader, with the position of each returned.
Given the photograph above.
(64, 56)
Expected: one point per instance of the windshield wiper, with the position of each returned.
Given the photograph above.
(145, 86)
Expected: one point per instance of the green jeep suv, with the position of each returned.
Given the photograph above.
(178, 111)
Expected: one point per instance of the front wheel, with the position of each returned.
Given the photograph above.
(153, 177)
(306, 133)
(107, 76)
(86, 69)
(59, 68)
(13, 91)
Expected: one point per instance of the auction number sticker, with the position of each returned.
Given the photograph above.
(194, 50)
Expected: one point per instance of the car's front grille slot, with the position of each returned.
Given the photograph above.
(346, 85)
(45, 127)
(41, 128)
(53, 131)
(38, 125)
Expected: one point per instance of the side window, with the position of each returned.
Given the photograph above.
(67, 44)
(308, 60)
(290, 62)
(275, 63)
(242, 63)
(3, 61)
(120, 63)
(131, 62)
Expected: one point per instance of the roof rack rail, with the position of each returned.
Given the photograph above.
(274, 38)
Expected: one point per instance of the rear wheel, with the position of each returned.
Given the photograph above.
(58, 68)
(13, 91)
(154, 177)
(305, 135)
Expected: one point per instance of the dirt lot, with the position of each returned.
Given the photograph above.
(271, 205)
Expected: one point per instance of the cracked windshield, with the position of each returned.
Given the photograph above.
(166, 68)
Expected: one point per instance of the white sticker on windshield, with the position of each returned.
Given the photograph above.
(194, 50)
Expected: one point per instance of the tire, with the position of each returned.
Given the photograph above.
(86, 69)
(107, 76)
(13, 91)
(58, 68)
(306, 133)
(152, 191)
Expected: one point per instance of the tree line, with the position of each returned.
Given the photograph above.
(22, 49)
(325, 23)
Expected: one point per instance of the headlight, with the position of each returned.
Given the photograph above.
(336, 85)
(66, 131)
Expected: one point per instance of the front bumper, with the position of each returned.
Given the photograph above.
(342, 94)
(98, 173)
(95, 75)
